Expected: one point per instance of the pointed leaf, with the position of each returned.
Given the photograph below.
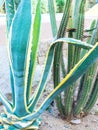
(18, 46)
(48, 66)
(35, 41)
(73, 75)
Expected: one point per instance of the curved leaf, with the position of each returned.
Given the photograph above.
(48, 66)
(6, 103)
(9, 5)
(33, 57)
(79, 69)
(18, 46)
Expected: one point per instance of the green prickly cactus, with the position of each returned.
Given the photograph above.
(68, 104)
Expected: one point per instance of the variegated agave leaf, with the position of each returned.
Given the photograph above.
(18, 45)
(79, 69)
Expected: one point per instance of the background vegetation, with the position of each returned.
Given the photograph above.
(59, 6)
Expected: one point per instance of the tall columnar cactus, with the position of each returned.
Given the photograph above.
(23, 38)
(69, 104)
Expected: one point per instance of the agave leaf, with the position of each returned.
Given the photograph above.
(48, 66)
(17, 50)
(80, 68)
(6, 103)
(12, 87)
(74, 42)
(34, 41)
(9, 5)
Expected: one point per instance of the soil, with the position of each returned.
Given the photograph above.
(53, 121)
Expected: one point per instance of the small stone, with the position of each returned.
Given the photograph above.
(75, 121)
(86, 125)
(95, 121)
(67, 126)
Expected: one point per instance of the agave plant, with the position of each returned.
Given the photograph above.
(70, 104)
(23, 38)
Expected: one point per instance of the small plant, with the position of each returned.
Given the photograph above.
(23, 36)
(69, 103)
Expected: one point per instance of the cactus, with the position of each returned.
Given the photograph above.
(68, 104)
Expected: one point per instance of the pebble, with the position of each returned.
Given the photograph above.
(67, 126)
(86, 125)
(75, 121)
(96, 121)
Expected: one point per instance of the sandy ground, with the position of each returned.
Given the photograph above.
(56, 123)
(53, 121)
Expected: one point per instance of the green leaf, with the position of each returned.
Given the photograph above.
(48, 66)
(9, 6)
(74, 42)
(6, 103)
(80, 68)
(34, 41)
(18, 47)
